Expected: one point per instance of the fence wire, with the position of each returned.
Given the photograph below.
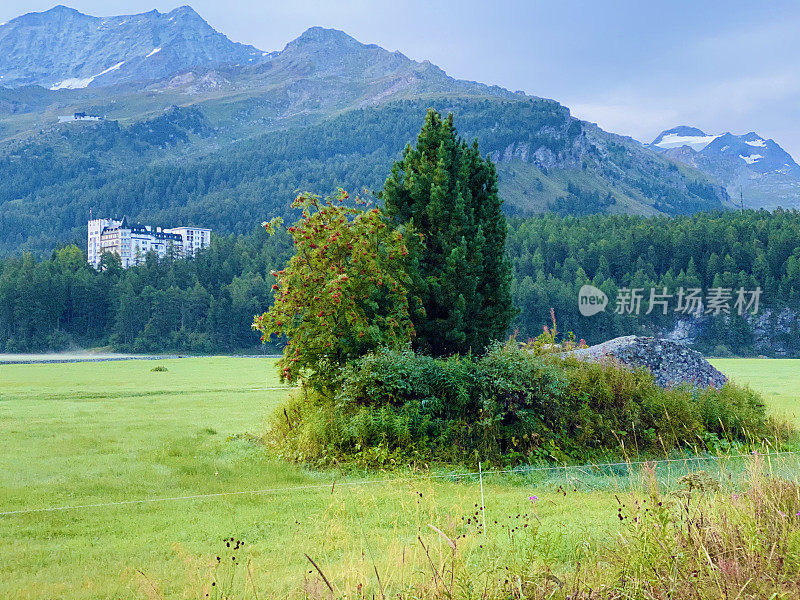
(613, 471)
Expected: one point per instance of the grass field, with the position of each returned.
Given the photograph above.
(777, 380)
(99, 433)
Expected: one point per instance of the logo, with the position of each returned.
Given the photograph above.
(688, 301)
(591, 300)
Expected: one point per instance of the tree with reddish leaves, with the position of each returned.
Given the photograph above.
(342, 294)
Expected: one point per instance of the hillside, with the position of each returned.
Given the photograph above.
(227, 145)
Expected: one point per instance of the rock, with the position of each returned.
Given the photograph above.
(771, 328)
(670, 363)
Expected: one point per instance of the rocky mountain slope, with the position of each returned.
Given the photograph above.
(64, 49)
(226, 142)
(756, 172)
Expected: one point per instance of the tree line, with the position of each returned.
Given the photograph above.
(206, 304)
(555, 256)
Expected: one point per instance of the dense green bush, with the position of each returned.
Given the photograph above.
(509, 406)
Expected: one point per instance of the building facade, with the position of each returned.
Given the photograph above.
(193, 238)
(132, 242)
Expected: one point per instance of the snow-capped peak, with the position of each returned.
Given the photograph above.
(683, 136)
(87, 45)
(697, 142)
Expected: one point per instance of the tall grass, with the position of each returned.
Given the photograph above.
(732, 534)
(708, 542)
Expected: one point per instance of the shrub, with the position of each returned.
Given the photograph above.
(721, 351)
(510, 406)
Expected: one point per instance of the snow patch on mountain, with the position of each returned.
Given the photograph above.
(79, 83)
(752, 168)
(759, 143)
(696, 142)
(155, 51)
(73, 83)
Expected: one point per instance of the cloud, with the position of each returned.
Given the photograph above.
(635, 119)
(746, 94)
(762, 103)
(736, 76)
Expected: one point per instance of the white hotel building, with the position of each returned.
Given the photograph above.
(132, 242)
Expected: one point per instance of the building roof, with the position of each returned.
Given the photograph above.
(158, 233)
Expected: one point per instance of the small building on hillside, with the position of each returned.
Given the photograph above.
(79, 116)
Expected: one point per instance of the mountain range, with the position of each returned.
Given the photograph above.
(200, 130)
(65, 49)
(756, 172)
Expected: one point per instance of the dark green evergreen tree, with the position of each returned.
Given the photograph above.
(460, 274)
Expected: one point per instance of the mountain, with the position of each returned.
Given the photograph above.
(227, 145)
(65, 49)
(682, 136)
(755, 170)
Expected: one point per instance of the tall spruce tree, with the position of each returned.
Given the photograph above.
(461, 277)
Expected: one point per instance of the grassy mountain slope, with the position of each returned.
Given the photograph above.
(174, 169)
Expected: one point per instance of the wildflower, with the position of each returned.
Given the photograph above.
(533, 498)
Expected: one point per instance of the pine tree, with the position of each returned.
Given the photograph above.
(461, 276)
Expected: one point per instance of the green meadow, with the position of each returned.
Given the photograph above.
(777, 380)
(144, 473)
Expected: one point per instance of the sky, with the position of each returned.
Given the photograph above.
(633, 67)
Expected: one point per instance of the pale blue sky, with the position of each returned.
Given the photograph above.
(634, 67)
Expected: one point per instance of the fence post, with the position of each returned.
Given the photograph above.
(483, 504)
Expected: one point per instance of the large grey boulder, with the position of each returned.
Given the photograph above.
(670, 363)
